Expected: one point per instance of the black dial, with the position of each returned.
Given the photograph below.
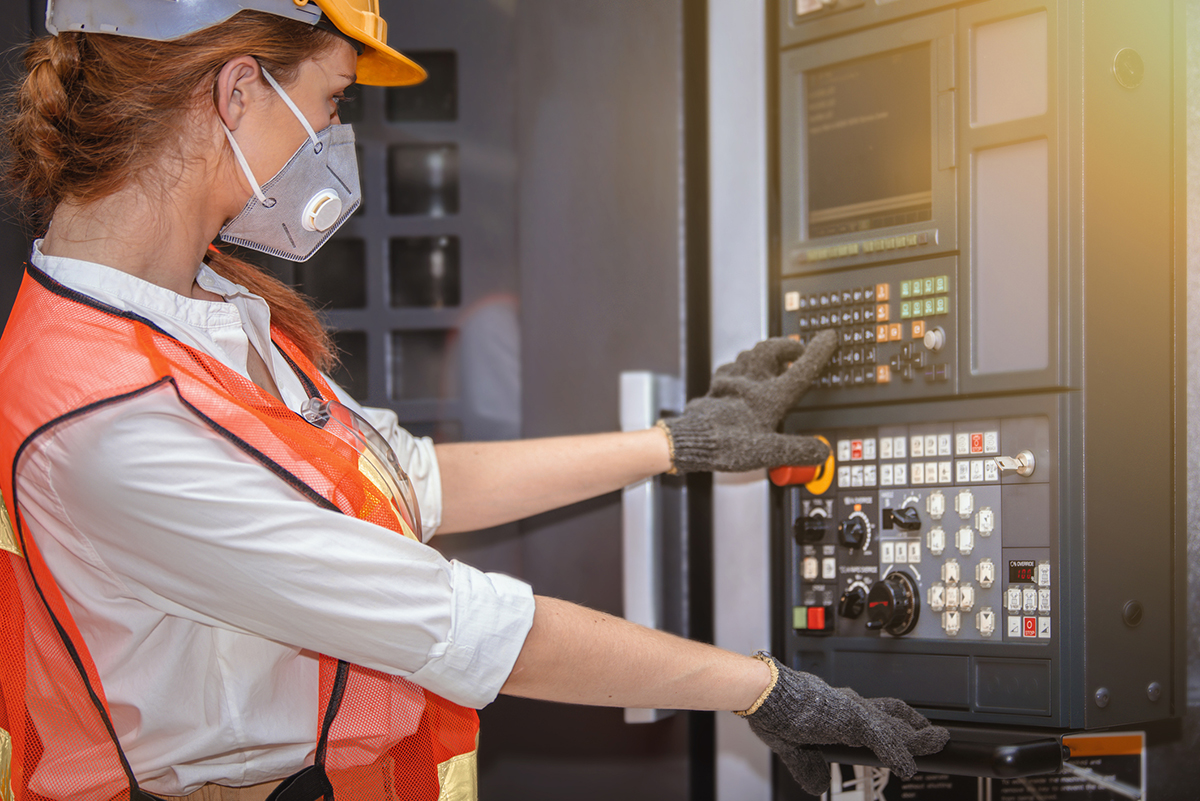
(892, 605)
(811, 529)
(852, 603)
(853, 532)
(906, 518)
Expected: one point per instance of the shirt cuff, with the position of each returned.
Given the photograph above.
(492, 614)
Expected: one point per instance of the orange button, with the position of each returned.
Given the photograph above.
(794, 337)
(881, 312)
(883, 374)
(918, 329)
(881, 291)
(789, 475)
(816, 618)
(881, 334)
(896, 332)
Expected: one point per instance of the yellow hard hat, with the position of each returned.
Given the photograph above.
(378, 65)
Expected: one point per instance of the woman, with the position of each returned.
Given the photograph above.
(222, 576)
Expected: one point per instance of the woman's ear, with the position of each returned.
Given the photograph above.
(239, 84)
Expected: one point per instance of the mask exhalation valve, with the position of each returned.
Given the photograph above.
(322, 211)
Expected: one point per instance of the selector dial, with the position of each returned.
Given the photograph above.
(811, 529)
(855, 531)
(906, 518)
(853, 601)
(892, 604)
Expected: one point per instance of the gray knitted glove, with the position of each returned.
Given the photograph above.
(802, 712)
(732, 428)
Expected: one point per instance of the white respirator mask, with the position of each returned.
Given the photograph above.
(296, 212)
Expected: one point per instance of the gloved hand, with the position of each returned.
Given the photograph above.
(801, 712)
(732, 428)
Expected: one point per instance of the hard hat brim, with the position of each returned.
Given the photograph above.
(380, 65)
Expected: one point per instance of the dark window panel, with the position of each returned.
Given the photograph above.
(423, 179)
(336, 276)
(439, 430)
(425, 271)
(419, 366)
(433, 100)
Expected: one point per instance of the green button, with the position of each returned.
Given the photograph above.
(906, 310)
(940, 284)
(800, 617)
(928, 286)
(941, 305)
(916, 288)
(928, 306)
(906, 289)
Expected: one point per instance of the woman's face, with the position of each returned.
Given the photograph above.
(271, 134)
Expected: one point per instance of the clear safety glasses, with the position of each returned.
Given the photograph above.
(377, 461)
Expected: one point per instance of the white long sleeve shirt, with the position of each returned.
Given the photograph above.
(204, 586)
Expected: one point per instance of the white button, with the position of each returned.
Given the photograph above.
(937, 596)
(966, 597)
(950, 570)
(1029, 599)
(976, 470)
(900, 475)
(1044, 628)
(985, 621)
(1043, 574)
(829, 569)
(962, 444)
(885, 448)
(990, 472)
(1013, 599)
(869, 475)
(951, 621)
(962, 470)
(869, 449)
(964, 540)
(898, 449)
(856, 476)
(964, 503)
(887, 552)
(810, 568)
(985, 573)
(935, 504)
(885, 475)
(937, 541)
(918, 473)
(918, 446)
(843, 476)
(944, 474)
(900, 556)
(931, 445)
(843, 450)
(952, 596)
(1014, 626)
(931, 472)
(943, 445)
(985, 521)
(1043, 600)
(791, 301)
(914, 553)
(991, 442)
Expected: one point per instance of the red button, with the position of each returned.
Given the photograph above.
(816, 618)
(1030, 625)
(977, 443)
(856, 449)
(787, 476)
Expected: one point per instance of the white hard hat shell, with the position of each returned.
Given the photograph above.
(161, 20)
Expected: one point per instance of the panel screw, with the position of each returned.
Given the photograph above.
(1102, 697)
(1154, 691)
(1132, 614)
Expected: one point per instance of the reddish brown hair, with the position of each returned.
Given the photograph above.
(96, 112)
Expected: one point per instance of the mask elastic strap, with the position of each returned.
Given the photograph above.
(312, 135)
(241, 160)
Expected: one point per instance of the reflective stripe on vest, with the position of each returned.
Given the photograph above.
(378, 736)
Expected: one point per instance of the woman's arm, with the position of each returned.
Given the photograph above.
(486, 484)
(581, 656)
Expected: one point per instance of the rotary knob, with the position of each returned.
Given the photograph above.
(810, 529)
(854, 532)
(906, 518)
(892, 605)
(852, 602)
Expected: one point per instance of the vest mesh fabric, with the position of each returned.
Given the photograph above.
(70, 354)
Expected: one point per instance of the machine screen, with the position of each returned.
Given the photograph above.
(869, 143)
(1021, 571)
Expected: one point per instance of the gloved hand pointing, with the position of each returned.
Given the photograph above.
(732, 428)
(801, 712)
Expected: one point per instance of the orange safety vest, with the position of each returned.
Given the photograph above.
(378, 737)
